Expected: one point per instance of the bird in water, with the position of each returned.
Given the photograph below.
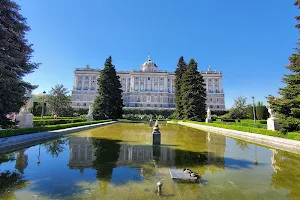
(195, 175)
(188, 171)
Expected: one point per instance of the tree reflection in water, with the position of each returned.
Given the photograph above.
(287, 173)
(11, 181)
(55, 147)
(241, 144)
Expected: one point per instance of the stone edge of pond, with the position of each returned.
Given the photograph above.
(269, 141)
(14, 143)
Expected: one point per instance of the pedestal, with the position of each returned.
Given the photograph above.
(272, 124)
(25, 120)
(208, 120)
(90, 118)
(156, 138)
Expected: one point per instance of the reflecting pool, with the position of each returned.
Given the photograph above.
(119, 162)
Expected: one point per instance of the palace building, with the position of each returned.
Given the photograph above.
(148, 88)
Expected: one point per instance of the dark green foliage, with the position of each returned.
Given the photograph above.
(59, 102)
(15, 55)
(11, 181)
(106, 157)
(108, 103)
(37, 108)
(239, 109)
(261, 111)
(180, 70)
(219, 112)
(143, 117)
(163, 112)
(80, 111)
(14, 132)
(250, 112)
(56, 121)
(227, 120)
(193, 93)
(287, 106)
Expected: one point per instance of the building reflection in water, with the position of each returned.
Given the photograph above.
(216, 145)
(88, 152)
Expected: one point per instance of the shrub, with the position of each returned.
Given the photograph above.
(294, 135)
(263, 121)
(228, 120)
(56, 121)
(14, 132)
(163, 112)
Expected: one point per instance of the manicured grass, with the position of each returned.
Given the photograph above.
(289, 135)
(14, 132)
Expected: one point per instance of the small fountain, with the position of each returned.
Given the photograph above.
(156, 136)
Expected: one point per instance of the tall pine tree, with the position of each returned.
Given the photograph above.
(108, 103)
(15, 54)
(288, 106)
(193, 93)
(180, 70)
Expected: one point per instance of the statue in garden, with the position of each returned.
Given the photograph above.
(208, 116)
(90, 113)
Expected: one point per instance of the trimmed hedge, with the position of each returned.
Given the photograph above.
(14, 132)
(56, 121)
(163, 112)
(289, 135)
(227, 120)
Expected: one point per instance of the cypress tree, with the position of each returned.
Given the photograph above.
(287, 106)
(261, 111)
(193, 93)
(108, 103)
(15, 54)
(180, 70)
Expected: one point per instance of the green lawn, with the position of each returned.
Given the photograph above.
(246, 127)
(21, 131)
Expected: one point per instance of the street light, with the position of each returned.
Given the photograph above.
(253, 109)
(44, 93)
(38, 160)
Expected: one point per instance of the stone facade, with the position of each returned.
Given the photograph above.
(144, 88)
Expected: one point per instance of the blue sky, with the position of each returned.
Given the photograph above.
(249, 41)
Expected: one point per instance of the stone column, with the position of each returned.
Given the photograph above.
(166, 84)
(126, 84)
(171, 85)
(152, 85)
(90, 82)
(75, 81)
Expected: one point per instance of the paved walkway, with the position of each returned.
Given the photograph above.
(13, 143)
(270, 141)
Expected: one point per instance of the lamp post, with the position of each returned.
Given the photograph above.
(44, 93)
(253, 109)
(38, 160)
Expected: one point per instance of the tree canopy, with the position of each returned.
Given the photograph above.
(180, 70)
(58, 101)
(193, 93)
(15, 59)
(108, 103)
(287, 106)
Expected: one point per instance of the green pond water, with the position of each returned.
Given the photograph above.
(119, 162)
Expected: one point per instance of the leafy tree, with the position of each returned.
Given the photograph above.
(239, 109)
(193, 93)
(15, 55)
(37, 108)
(108, 103)
(250, 111)
(180, 70)
(261, 111)
(58, 101)
(287, 106)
